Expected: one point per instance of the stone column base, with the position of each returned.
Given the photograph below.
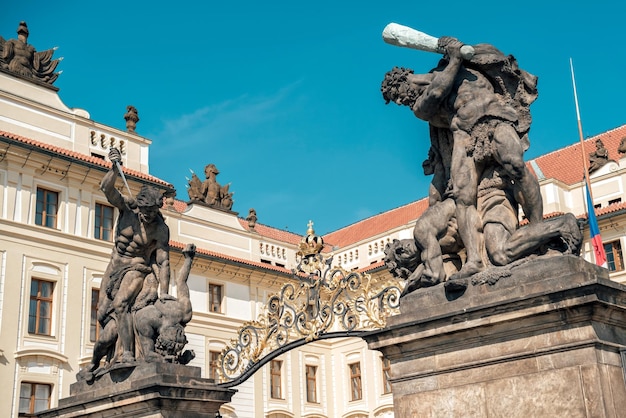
(144, 390)
(544, 339)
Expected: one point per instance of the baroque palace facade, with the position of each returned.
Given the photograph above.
(56, 230)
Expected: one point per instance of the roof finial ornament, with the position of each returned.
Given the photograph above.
(131, 117)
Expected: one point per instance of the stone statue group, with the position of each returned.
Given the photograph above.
(477, 108)
(140, 320)
(478, 111)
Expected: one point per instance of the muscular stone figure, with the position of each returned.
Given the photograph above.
(141, 248)
(488, 124)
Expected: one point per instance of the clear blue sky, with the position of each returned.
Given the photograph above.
(284, 97)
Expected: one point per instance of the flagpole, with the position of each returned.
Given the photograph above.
(580, 134)
(594, 230)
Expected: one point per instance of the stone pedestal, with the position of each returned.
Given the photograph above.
(144, 390)
(543, 339)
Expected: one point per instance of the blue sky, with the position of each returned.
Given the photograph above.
(284, 97)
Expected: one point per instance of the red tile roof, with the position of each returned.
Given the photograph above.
(616, 207)
(272, 233)
(181, 246)
(63, 152)
(377, 224)
(566, 164)
(180, 206)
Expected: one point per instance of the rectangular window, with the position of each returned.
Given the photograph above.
(214, 365)
(615, 201)
(275, 376)
(40, 310)
(103, 224)
(386, 365)
(356, 391)
(47, 208)
(34, 397)
(215, 297)
(614, 258)
(94, 326)
(311, 384)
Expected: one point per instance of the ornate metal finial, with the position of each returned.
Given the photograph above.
(311, 244)
(131, 117)
(309, 257)
(21, 59)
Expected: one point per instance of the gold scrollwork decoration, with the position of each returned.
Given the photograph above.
(323, 300)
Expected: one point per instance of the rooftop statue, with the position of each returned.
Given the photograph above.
(209, 192)
(622, 146)
(134, 303)
(132, 117)
(251, 218)
(477, 104)
(17, 56)
(599, 157)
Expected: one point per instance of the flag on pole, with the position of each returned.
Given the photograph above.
(594, 231)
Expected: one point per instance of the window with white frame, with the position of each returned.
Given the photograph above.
(103, 222)
(356, 389)
(614, 259)
(34, 397)
(276, 383)
(311, 383)
(214, 365)
(47, 208)
(40, 307)
(386, 370)
(216, 295)
(94, 325)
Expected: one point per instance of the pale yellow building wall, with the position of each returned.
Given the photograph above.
(37, 112)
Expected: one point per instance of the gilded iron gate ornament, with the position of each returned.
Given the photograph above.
(325, 302)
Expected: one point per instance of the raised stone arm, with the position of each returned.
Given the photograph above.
(107, 184)
(407, 37)
(182, 289)
(440, 86)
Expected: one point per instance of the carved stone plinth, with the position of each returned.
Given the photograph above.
(546, 341)
(145, 390)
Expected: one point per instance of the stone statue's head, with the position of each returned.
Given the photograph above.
(171, 341)
(149, 196)
(22, 29)
(399, 86)
(402, 257)
(211, 169)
